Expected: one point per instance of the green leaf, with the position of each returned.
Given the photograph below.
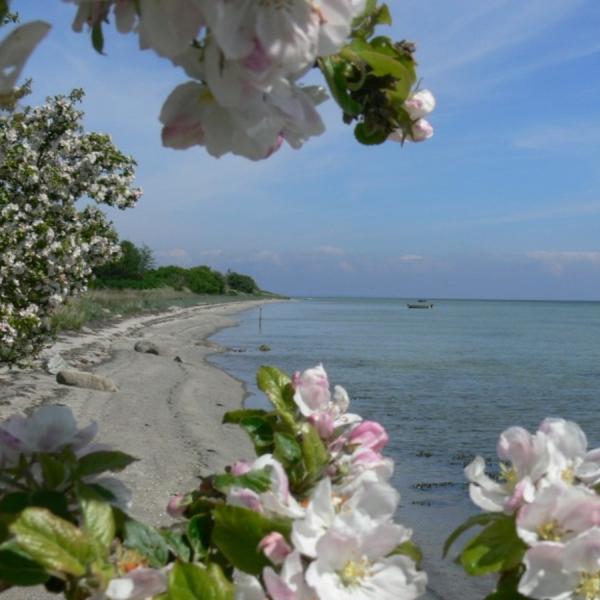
(238, 532)
(53, 470)
(383, 16)
(236, 416)
(260, 431)
(177, 545)
(481, 519)
(147, 541)
(496, 548)
(14, 503)
(368, 137)
(273, 383)
(507, 588)
(287, 449)
(103, 460)
(258, 481)
(199, 531)
(54, 543)
(338, 86)
(410, 549)
(16, 568)
(314, 453)
(99, 522)
(98, 38)
(195, 582)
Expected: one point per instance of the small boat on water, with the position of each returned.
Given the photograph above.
(420, 304)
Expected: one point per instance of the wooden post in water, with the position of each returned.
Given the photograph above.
(260, 319)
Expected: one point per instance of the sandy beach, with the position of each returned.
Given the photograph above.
(168, 408)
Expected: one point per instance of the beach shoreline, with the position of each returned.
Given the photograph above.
(169, 407)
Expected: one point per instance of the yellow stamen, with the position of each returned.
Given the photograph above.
(509, 474)
(589, 586)
(354, 571)
(551, 531)
(568, 475)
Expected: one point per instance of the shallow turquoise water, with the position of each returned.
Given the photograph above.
(444, 382)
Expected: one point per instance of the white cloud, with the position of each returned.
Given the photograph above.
(409, 258)
(330, 251)
(557, 261)
(347, 266)
(556, 137)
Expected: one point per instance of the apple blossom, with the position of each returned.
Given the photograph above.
(274, 547)
(355, 567)
(558, 513)
(556, 571)
(138, 584)
(419, 104)
(48, 429)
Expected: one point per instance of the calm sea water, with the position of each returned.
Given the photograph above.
(444, 382)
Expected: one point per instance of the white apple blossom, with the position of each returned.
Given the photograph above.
(48, 429)
(356, 567)
(558, 513)
(278, 500)
(373, 502)
(556, 453)
(139, 584)
(570, 571)
(48, 246)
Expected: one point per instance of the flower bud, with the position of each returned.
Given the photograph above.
(422, 130)
(177, 505)
(419, 104)
(369, 435)
(275, 547)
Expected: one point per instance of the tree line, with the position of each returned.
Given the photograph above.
(136, 269)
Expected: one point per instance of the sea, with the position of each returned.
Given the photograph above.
(444, 382)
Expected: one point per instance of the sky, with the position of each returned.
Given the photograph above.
(503, 201)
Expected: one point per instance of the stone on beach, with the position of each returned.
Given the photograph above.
(86, 380)
(55, 363)
(264, 348)
(147, 347)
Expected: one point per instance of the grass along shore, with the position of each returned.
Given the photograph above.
(96, 306)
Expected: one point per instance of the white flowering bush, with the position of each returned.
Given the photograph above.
(48, 245)
(245, 60)
(542, 515)
(310, 517)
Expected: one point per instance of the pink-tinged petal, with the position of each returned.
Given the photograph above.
(312, 391)
(258, 60)
(583, 552)
(246, 498)
(241, 467)
(169, 27)
(275, 547)
(524, 492)
(589, 470)
(484, 492)
(16, 48)
(137, 585)
(323, 423)
(567, 436)
(181, 116)
(544, 577)
(176, 506)
(419, 104)
(247, 587)
(421, 130)
(278, 589)
(369, 435)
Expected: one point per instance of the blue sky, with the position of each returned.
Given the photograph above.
(503, 202)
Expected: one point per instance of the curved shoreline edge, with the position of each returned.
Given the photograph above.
(168, 409)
